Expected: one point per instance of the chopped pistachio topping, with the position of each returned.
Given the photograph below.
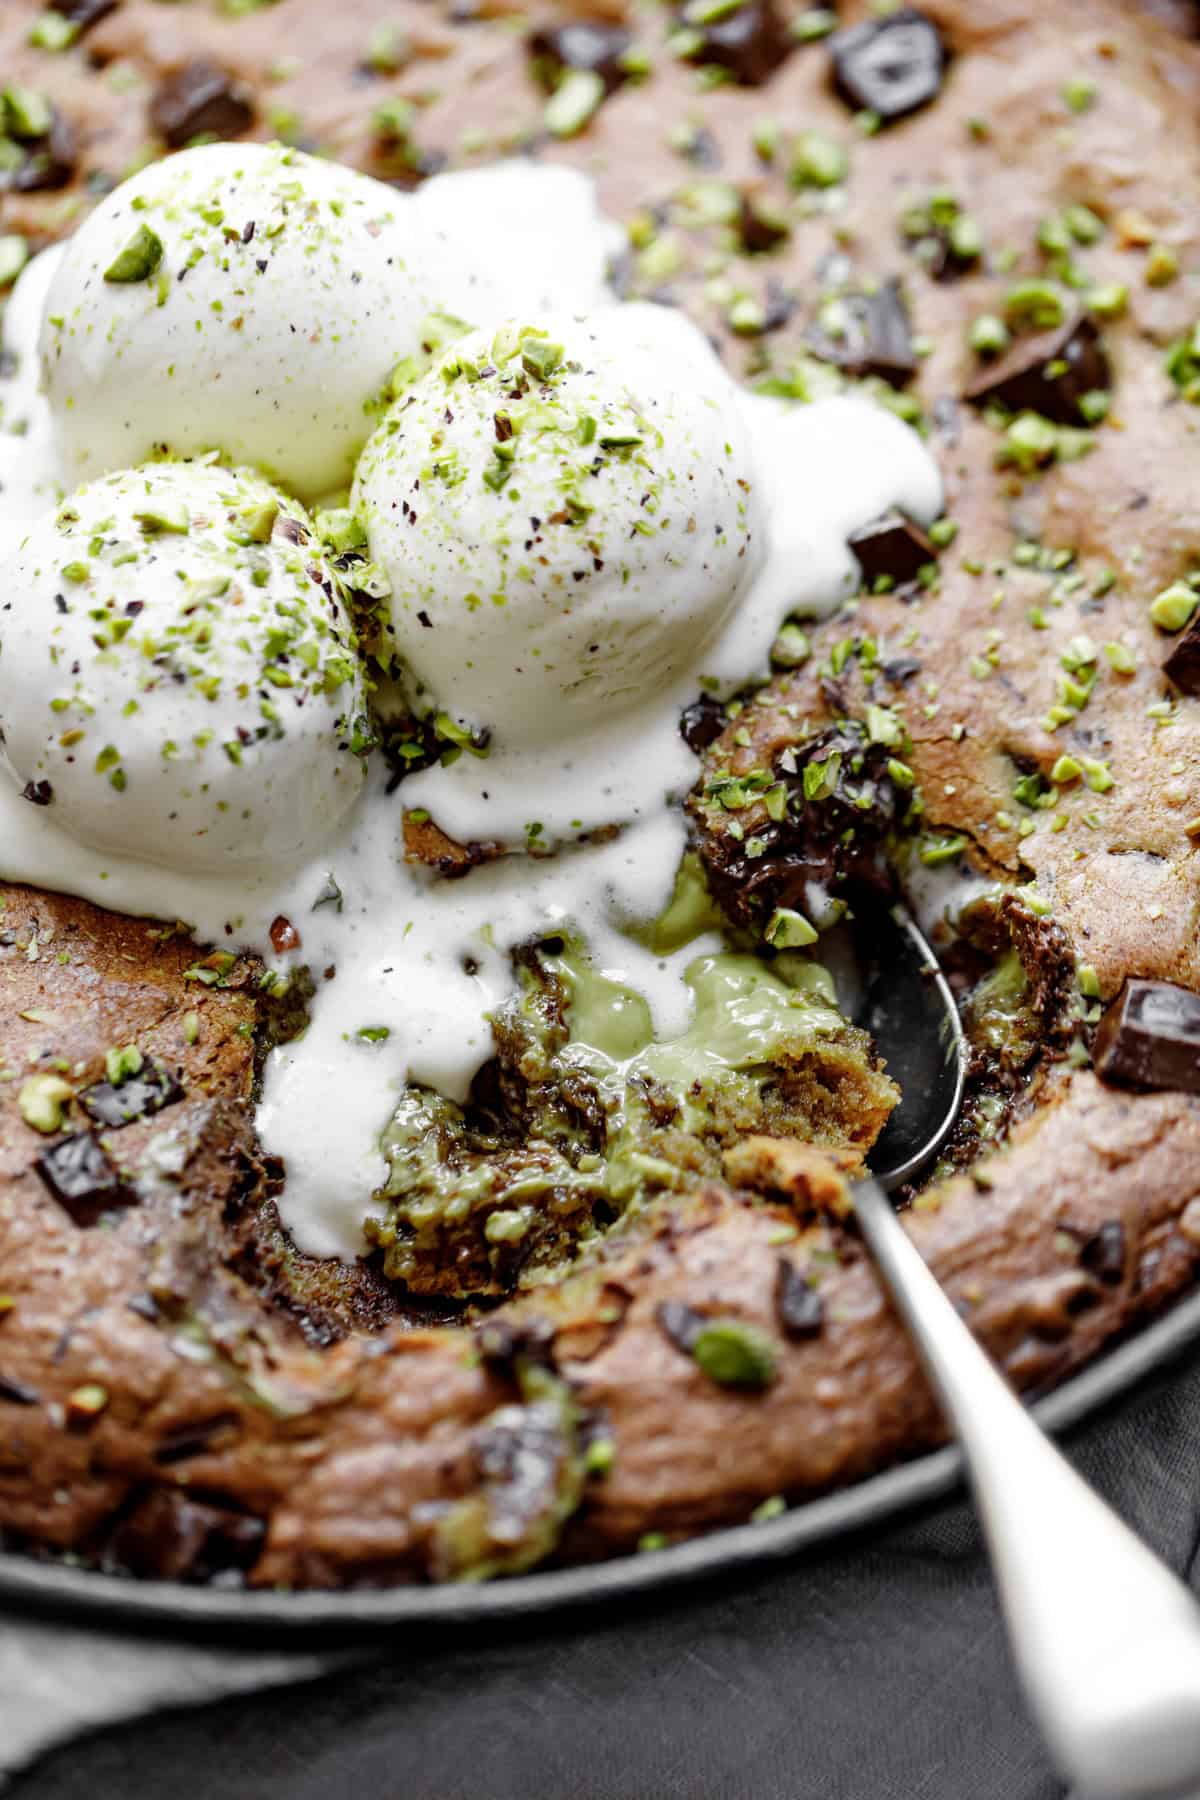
(14, 254)
(573, 102)
(41, 1102)
(1173, 607)
(818, 161)
(734, 1354)
(789, 930)
(138, 260)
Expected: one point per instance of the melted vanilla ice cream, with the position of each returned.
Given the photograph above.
(584, 525)
(179, 679)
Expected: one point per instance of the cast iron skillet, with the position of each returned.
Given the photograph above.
(194, 1611)
(888, 955)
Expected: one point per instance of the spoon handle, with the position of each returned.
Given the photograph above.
(1105, 1639)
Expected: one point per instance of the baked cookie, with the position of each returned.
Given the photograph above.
(587, 1324)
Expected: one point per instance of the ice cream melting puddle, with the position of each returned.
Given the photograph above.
(642, 541)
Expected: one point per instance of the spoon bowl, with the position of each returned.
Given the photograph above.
(909, 1011)
(1110, 1666)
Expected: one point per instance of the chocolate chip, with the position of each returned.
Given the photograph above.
(81, 1177)
(891, 66)
(178, 1539)
(502, 1341)
(1104, 1254)
(681, 1324)
(751, 42)
(49, 161)
(1182, 665)
(116, 1104)
(798, 1307)
(85, 13)
(892, 547)
(702, 723)
(868, 334)
(200, 100)
(1047, 374)
(1150, 1037)
(591, 44)
(522, 1454)
(195, 1439)
(40, 793)
(17, 1393)
(842, 805)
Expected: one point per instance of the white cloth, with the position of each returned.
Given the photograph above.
(57, 1681)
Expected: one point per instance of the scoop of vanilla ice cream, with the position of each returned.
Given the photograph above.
(179, 679)
(237, 297)
(566, 514)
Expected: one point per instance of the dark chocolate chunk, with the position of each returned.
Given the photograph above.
(49, 161)
(179, 1539)
(798, 1306)
(1047, 374)
(868, 334)
(522, 1454)
(200, 100)
(1150, 1037)
(681, 1324)
(750, 42)
(502, 1342)
(900, 670)
(1104, 1254)
(1182, 665)
(40, 793)
(591, 44)
(892, 547)
(702, 723)
(18, 1393)
(842, 804)
(891, 66)
(196, 1438)
(85, 13)
(115, 1104)
(81, 1177)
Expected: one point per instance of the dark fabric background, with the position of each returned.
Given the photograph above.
(874, 1671)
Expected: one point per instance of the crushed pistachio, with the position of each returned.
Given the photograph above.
(988, 335)
(573, 102)
(41, 1102)
(138, 260)
(14, 254)
(88, 1401)
(734, 1354)
(818, 161)
(1173, 607)
(789, 930)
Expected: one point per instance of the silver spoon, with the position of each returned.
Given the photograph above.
(1105, 1639)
